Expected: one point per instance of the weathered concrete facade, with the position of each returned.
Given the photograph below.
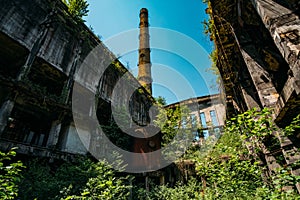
(207, 112)
(257, 53)
(257, 50)
(41, 50)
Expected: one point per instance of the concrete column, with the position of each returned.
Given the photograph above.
(162, 180)
(69, 83)
(283, 25)
(62, 136)
(267, 93)
(32, 55)
(40, 39)
(147, 183)
(5, 112)
(54, 133)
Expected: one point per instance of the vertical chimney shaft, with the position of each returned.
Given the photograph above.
(144, 75)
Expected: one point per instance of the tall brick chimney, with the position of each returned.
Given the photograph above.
(144, 75)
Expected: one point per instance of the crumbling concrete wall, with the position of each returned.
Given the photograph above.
(266, 33)
(283, 23)
(58, 48)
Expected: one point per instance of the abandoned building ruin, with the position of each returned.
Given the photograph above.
(257, 53)
(42, 47)
(207, 111)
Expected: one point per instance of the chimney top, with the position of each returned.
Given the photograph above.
(143, 11)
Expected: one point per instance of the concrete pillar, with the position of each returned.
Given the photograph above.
(283, 25)
(147, 183)
(32, 55)
(69, 83)
(54, 133)
(62, 136)
(266, 90)
(5, 112)
(162, 179)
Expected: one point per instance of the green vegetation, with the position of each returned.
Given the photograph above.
(231, 169)
(105, 185)
(77, 8)
(81, 179)
(171, 122)
(115, 127)
(189, 191)
(10, 175)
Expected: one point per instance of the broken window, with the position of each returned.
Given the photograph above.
(28, 127)
(214, 119)
(203, 120)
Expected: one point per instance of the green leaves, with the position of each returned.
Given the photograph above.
(106, 185)
(293, 127)
(81, 179)
(189, 191)
(230, 171)
(173, 121)
(9, 175)
(77, 8)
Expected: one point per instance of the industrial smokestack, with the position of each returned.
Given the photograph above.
(144, 75)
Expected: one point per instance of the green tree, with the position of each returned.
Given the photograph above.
(10, 175)
(161, 100)
(77, 8)
(173, 121)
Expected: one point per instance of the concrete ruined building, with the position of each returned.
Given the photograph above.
(207, 112)
(257, 53)
(144, 74)
(42, 49)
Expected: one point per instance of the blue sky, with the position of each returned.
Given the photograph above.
(179, 49)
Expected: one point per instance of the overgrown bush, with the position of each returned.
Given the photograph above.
(83, 179)
(232, 169)
(10, 175)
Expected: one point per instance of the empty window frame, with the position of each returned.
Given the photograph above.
(214, 118)
(203, 120)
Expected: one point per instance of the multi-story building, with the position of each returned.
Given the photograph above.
(207, 113)
(42, 57)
